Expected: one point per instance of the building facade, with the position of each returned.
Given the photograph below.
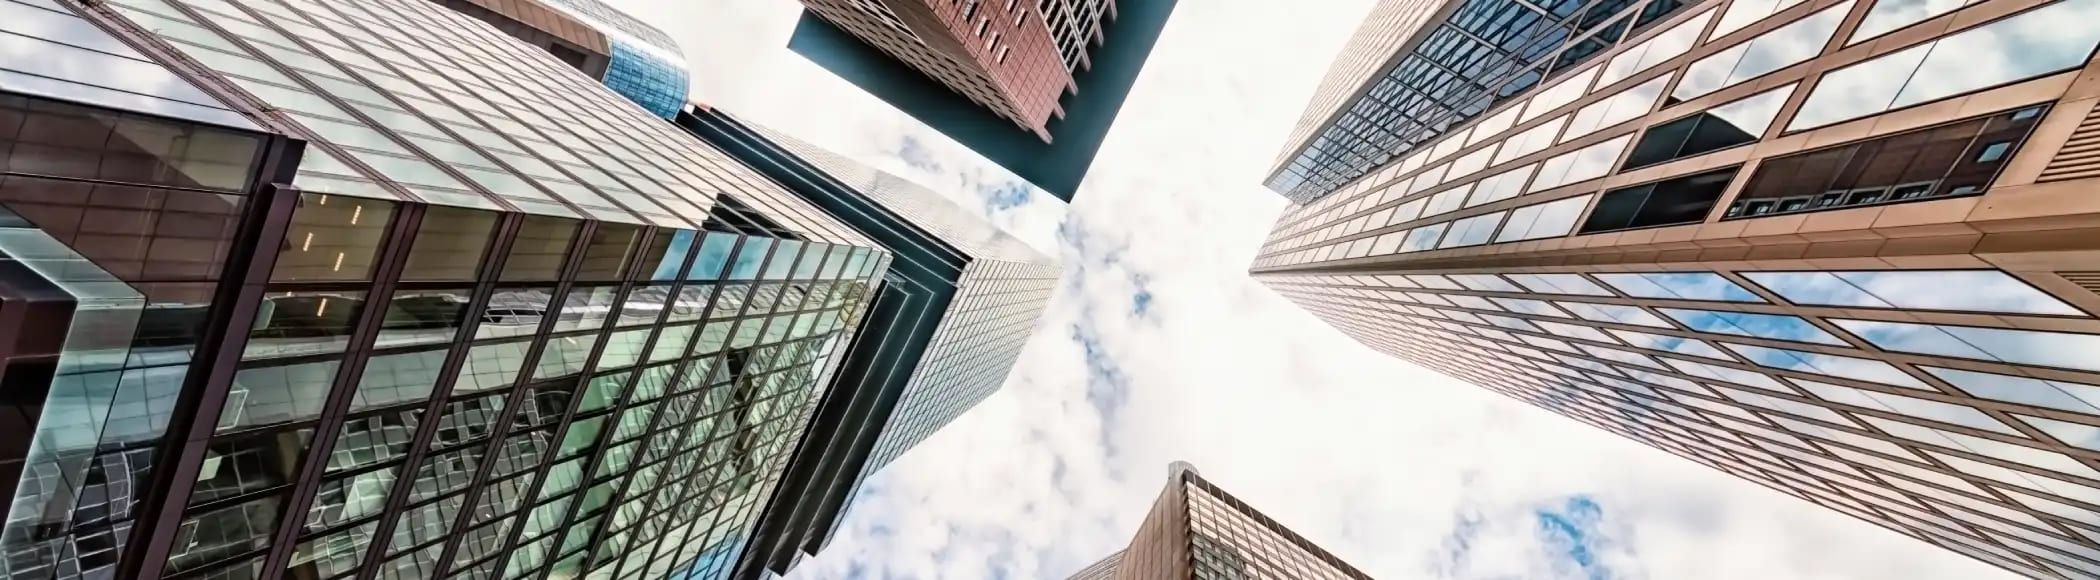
(1032, 86)
(956, 307)
(367, 290)
(1197, 531)
(1004, 59)
(1845, 249)
(1418, 69)
(633, 59)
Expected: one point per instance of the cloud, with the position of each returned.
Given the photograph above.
(1158, 347)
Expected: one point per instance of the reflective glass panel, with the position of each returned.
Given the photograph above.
(1780, 48)
(1772, 326)
(2035, 347)
(2026, 45)
(1973, 290)
(1679, 285)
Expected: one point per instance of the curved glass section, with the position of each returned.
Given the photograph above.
(654, 82)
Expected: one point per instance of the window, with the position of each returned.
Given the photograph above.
(1680, 286)
(1780, 48)
(2033, 347)
(1472, 231)
(1559, 284)
(1548, 99)
(1530, 140)
(1680, 200)
(2067, 396)
(1888, 15)
(1579, 165)
(1500, 186)
(1738, 123)
(1929, 163)
(2027, 45)
(1972, 290)
(1772, 326)
(1669, 44)
(1625, 106)
(1746, 12)
(1827, 364)
(1545, 220)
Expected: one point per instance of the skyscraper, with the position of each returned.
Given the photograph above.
(1845, 249)
(955, 308)
(1417, 69)
(304, 289)
(1197, 531)
(632, 58)
(1032, 86)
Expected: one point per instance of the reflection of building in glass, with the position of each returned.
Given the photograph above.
(1196, 530)
(1855, 264)
(633, 59)
(957, 305)
(1419, 69)
(1033, 86)
(367, 290)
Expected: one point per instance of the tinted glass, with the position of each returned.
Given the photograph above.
(1674, 201)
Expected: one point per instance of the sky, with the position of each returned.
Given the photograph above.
(1158, 347)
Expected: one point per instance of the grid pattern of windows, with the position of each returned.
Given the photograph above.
(1003, 55)
(1197, 530)
(1942, 404)
(411, 101)
(1074, 24)
(1717, 88)
(654, 82)
(1484, 53)
(598, 11)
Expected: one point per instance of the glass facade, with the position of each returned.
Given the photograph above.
(1197, 530)
(1721, 250)
(1482, 54)
(655, 83)
(487, 322)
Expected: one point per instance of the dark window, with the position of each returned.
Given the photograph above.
(1954, 159)
(538, 252)
(1737, 123)
(1669, 202)
(448, 245)
(606, 255)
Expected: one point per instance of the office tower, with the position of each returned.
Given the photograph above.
(632, 58)
(368, 290)
(956, 306)
(1031, 85)
(1845, 249)
(1418, 69)
(1196, 530)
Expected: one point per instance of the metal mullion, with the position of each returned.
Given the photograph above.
(627, 275)
(626, 400)
(480, 77)
(599, 536)
(579, 245)
(335, 409)
(689, 493)
(493, 258)
(237, 298)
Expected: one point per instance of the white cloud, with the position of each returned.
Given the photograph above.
(1375, 459)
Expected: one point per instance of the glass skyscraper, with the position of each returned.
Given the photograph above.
(1419, 69)
(1842, 248)
(955, 309)
(368, 290)
(1197, 531)
(632, 58)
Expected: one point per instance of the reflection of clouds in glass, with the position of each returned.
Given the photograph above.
(1559, 284)
(1680, 285)
(1827, 364)
(2033, 43)
(1737, 376)
(2075, 434)
(1979, 290)
(1780, 48)
(2073, 397)
(1654, 51)
(1580, 165)
(1544, 220)
(1746, 12)
(1615, 313)
(1670, 343)
(1772, 326)
(2057, 349)
(1888, 15)
(1920, 408)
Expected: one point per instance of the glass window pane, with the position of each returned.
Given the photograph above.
(350, 498)
(449, 245)
(1825, 364)
(1972, 290)
(423, 317)
(1580, 165)
(586, 308)
(2065, 396)
(1615, 313)
(332, 555)
(224, 532)
(537, 254)
(296, 323)
(2056, 349)
(1772, 326)
(332, 238)
(515, 312)
(2026, 45)
(490, 366)
(1738, 123)
(239, 464)
(1472, 231)
(275, 395)
(605, 256)
(1915, 407)
(1559, 284)
(1679, 285)
(374, 439)
(1780, 48)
